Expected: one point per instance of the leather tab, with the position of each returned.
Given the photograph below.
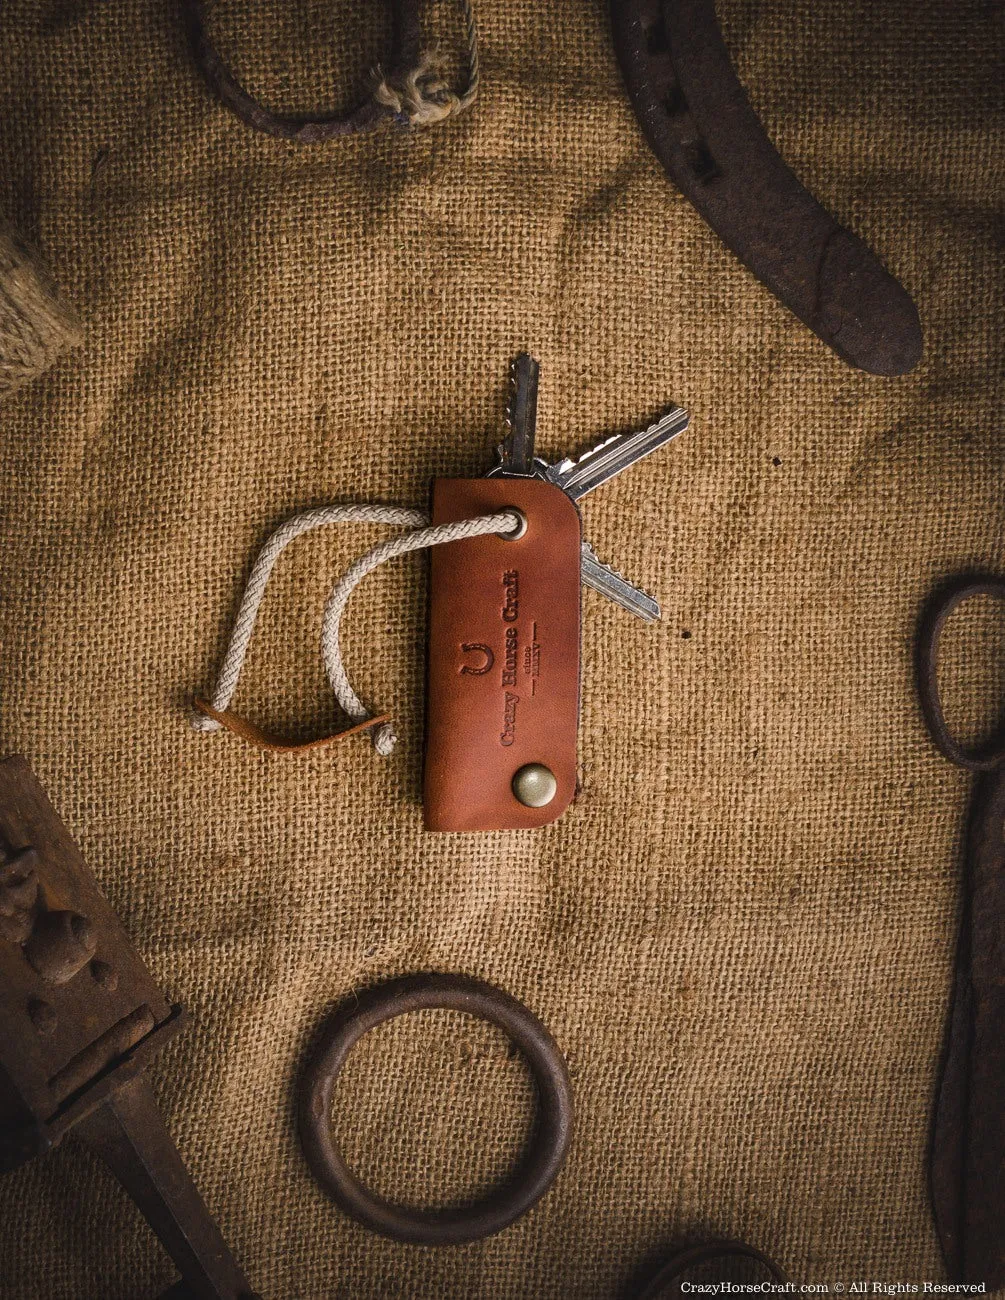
(274, 744)
(503, 657)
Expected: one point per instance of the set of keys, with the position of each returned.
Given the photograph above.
(504, 676)
(516, 459)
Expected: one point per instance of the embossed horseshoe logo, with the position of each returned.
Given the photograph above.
(476, 648)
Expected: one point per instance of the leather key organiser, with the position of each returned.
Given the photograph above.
(504, 629)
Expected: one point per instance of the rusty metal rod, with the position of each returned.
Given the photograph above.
(129, 1134)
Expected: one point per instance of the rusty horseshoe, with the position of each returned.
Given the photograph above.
(699, 122)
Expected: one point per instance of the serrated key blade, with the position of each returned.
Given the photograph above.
(610, 583)
(516, 455)
(610, 457)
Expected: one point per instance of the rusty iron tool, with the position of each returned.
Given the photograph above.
(669, 1280)
(710, 142)
(80, 1019)
(507, 1203)
(304, 128)
(968, 1138)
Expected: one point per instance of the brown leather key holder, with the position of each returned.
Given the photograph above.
(80, 1020)
(503, 696)
(508, 564)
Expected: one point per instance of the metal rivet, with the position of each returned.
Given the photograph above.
(535, 785)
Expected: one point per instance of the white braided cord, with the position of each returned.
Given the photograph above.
(422, 535)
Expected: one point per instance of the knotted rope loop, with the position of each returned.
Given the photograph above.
(413, 94)
(214, 715)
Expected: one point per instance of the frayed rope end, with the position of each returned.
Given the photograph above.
(421, 96)
(384, 739)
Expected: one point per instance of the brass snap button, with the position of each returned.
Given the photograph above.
(535, 785)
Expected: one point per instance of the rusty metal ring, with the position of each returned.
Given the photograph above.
(667, 1281)
(542, 1161)
(980, 758)
(306, 129)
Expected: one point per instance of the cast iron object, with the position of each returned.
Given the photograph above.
(968, 1140)
(80, 1019)
(699, 122)
(306, 129)
(542, 1162)
(668, 1281)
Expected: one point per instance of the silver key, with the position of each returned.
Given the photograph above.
(515, 458)
(610, 583)
(598, 466)
(516, 455)
(610, 457)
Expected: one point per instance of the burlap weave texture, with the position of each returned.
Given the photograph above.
(741, 934)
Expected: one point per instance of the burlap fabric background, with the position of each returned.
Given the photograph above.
(741, 934)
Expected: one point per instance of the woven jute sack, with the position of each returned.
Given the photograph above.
(741, 933)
